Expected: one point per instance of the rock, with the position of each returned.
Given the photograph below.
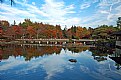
(73, 60)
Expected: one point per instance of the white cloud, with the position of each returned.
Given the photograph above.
(33, 3)
(72, 21)
(12, 13)
(104, 12)
(58, 12)
(107, 12)
(51, 11)
(85, 5)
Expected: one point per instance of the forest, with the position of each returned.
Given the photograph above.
(36, 30)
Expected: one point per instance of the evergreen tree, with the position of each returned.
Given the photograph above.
(119, 22)
(14, 22)
(64, 32)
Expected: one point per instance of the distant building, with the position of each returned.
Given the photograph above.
(118, 38)
(117, 54)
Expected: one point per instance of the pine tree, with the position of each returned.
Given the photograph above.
(14, 22)
(119, 22)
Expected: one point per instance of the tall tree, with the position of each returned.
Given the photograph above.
(14, 22)
(119, 22)
(65, 32)
(73, 31)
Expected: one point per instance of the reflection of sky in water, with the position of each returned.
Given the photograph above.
(57, 67)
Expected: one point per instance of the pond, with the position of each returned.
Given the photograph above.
(52, 63)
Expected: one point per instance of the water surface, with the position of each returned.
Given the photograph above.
(52, 63)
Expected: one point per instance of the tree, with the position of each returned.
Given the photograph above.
(10, 32)
(31, 31)
(4, 24)
(73, 31)
(14, 22)
(119, 22)
(79, 32)
(86, 33)
(59, 31)
(64, 32)
(104, 31)
(26, 23)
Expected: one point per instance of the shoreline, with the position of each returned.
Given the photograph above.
(37, 44)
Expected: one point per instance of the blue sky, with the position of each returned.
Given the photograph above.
(85, 13)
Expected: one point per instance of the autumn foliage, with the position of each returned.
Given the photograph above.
(29, 29)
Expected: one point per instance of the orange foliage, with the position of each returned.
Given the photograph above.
(31, 31)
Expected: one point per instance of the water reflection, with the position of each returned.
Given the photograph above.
(51, 63)
(99, 53)
(29, 52)
(117, 57)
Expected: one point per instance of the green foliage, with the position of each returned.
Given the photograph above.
(64, 32)
(119, 23)
(104, 31)
(26, 23)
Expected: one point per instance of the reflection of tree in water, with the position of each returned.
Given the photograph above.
(101, 53)
(118, 66)
(28, 52)
(77, 49)
(117, 58)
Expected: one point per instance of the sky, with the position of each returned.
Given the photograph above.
(85, 13)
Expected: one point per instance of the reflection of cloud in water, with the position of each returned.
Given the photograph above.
(105, 74)
(11, 63)
(53, 65)
(84, 69)
(57, 64)
(85, 54)
(101, 71)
